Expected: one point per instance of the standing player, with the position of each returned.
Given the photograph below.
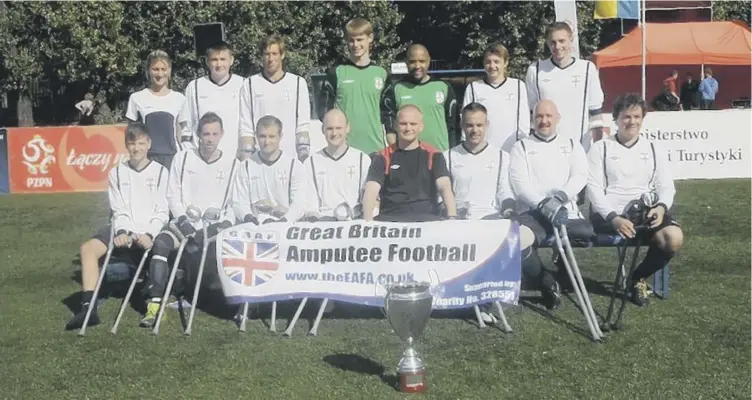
(201, 178)
(218, 92)
(505, 98)
(408, 176)
(276, 92)
(547, 171)
(271, 184)
(336, 174)
(572, 84)
(623, 167)
(162, 110)
(434, 97)
(137, 193)
(363, 91)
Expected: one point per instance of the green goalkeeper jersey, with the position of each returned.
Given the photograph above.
(437, 102)
(366, 96)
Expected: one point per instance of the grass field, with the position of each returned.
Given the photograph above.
(696, 345)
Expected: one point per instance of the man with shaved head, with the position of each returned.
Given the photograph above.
(546, 172)
(408, 176)
(336, 174)
(435, 98)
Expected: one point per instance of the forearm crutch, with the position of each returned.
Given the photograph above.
(620, 283)
(294, 320)
(503, 318)
(93, 302)
(199, 278)
(170, 282)
(576, 270)
(130, 292)
(315, 328)
(575, 284)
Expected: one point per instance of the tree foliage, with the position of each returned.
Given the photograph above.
(55, 52)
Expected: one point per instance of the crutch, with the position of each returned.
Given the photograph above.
(243, 317)
(575, 283)
(211, 215)
(130, 292)
(580, 281)
(92, 304)
(503, 318)
(294, 320)
(315, 328)
(273, 322)
(620, 283)
(194, 214)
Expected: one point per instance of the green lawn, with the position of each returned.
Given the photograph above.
(696, 345)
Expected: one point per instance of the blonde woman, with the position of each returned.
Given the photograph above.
(505, 99)
(163, 110)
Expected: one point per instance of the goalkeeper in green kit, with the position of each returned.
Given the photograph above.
(363, 91)
(435, 99)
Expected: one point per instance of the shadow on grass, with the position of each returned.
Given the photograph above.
(362, 365)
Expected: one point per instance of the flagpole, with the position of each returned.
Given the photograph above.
(644, 46)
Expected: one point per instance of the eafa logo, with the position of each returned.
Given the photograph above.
(38, 154)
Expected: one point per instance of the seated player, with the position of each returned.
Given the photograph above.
(335, 174)
(623, 167)
(408, 176)
(271, 185)
(547, 171)
(137, 193)
(200, 178)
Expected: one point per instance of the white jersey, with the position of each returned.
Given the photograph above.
(620, 174)
(203, 96)
(138, 199)
(576, 91)
(508, 110)
(480, 181)
(540, 168)
(286, 99)
(333, 181)
(162, 116)
(281, 183)
(195, 182)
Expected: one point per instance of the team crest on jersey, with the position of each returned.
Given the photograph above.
(378, 83)
(440, 97)
(575, 80)
(644, 157)
(565, 150)
(151, 184)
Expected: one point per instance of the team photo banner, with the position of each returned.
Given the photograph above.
(466, 262)
(63, 159)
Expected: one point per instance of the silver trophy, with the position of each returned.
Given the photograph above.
(408, 307)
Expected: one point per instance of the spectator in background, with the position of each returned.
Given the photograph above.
(86, 107)
(689, 93)
(708, 89)
(669, 91)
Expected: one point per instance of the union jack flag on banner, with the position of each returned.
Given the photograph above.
(250, 263)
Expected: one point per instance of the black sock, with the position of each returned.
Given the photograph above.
(653, 262)
(86, 296)
(532, 267)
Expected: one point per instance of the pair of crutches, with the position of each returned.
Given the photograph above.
(502, 318)
(564, 247)
(100, 282)
(210, 216)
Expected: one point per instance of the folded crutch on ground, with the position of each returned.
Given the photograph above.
(564, 247)
(194, 215)
(211, 216)
(102, 272)
(130, 292)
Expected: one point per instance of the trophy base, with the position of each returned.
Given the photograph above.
(412, 381)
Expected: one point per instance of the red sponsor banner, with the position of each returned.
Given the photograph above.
(64, 159)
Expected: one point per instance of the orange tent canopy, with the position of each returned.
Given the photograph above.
(688, 43)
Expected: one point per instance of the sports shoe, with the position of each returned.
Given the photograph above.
(152, 309)
(78, 320)
(640, 293)
(552, 296)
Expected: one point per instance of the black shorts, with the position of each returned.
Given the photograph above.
(164, 159)
(132, 254)
(602, 226)
(579, 230)
(403, 217)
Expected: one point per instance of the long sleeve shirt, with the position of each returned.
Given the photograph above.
(138, 199)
